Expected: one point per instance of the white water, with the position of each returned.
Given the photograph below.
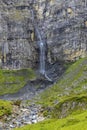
(42, 50)
(42, 53)
(5, 49)
(42, 58)
(41, 46)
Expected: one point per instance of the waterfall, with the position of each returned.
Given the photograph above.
(5, 51)
(42, 58)
(42, 47)
(42, 53)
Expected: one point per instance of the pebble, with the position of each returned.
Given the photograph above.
(22, 116)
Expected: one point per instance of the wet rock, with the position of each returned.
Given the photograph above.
(23, 116)
(12, 126)
(62, 25)
(1, 125)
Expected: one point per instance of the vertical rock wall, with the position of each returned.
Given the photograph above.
(62, 23)
(17, 46)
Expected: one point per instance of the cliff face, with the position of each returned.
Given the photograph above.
(62, 24)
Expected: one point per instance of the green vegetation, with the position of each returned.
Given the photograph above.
(16, 102)
(69, 106)
(72, 122)
(12, 80)
(67, 99)
(5, 108)
(65, 102)
(72, 83)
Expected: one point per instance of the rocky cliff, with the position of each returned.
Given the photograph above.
(62, 24)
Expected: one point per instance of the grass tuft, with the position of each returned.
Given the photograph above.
(13, 80)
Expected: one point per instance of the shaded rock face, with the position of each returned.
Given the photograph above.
(62, 24)
(18, 48)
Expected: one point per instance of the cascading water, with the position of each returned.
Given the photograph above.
(42, 47)
(42, 58)
(5, 51)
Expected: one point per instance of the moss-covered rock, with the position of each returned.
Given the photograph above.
(13, 80)
(5, 108)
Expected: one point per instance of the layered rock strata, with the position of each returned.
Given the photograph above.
(62, 24)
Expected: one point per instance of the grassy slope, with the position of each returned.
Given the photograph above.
(72, 122)
(72, 87)
(12, 80)
(72, 83)
(5, 108)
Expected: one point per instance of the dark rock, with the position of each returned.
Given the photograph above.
(62, 24)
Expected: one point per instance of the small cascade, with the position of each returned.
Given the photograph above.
(5, 51)
(42, 47)
(42, 58)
